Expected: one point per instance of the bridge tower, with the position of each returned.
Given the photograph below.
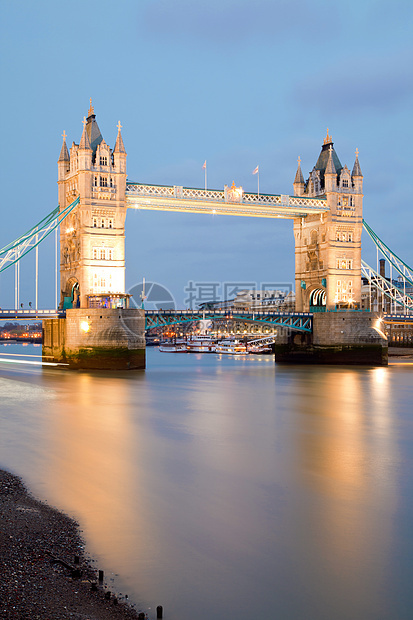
(92, 239)
(328, 246)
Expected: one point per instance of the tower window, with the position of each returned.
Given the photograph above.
(345, 182)
(102, 253)
(110, 225)
(95, 222)
(102, 223)
(103, 181)
(95, 181)
(103, 161)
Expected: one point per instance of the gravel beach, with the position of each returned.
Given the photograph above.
(39, 576)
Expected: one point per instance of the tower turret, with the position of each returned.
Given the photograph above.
(84, 153)
(299, 180)
(63, 163)
(330, 174)
(356, 175)
(119, 152)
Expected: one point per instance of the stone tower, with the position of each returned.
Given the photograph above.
(328, 246)
(92, 237)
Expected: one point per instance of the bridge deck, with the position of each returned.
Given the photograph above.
(226, 202)
(31, 314)
(296, 321)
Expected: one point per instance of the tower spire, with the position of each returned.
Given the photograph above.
(356, 168)
(64, 153)
(328, 139)
(330, 168)
(119, 146)
(299, 175)
(84, 140)
(91, 109)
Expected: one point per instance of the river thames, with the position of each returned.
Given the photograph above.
(224, 487)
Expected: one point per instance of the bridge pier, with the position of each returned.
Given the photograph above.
(96, 339)
(337, 338)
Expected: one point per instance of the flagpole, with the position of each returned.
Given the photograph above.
(257, 172)
(205, 178)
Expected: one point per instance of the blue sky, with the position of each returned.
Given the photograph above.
(237, 83)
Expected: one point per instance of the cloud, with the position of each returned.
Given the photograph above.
(228, 22)
(379, 84)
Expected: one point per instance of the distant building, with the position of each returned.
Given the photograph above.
(251, 299)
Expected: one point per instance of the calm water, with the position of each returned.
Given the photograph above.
(228, 487)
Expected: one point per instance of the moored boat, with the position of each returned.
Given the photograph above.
(178, 346)
(201, 344)
(231, 347)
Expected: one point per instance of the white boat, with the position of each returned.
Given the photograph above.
(261, 345)
(259, 349)
(173, 347)
(232, 347)
(201, 344)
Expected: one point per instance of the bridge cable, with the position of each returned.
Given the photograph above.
(404, 270)
(14, 251)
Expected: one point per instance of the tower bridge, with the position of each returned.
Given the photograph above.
(94, 195)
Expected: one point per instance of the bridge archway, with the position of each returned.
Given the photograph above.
(318, 300)
(71, 294)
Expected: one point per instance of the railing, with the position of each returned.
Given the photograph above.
(26, 313)
(296, 321)
(193, 194)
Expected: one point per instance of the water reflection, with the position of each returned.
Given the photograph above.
(224, 488)
(345, 458)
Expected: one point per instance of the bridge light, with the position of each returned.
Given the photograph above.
(84, 326)
(70, 230)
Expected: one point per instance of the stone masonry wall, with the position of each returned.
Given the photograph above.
(113, 328)
(347, 328)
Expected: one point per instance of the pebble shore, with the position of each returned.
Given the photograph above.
(44, 574)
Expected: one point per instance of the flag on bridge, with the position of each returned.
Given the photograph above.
(204, 166)
(256, 170)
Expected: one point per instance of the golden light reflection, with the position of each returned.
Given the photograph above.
(347, 456)
(96, 465)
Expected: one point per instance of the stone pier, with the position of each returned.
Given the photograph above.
(96, 339)
(337, 338)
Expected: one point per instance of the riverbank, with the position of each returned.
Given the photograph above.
(44, 574)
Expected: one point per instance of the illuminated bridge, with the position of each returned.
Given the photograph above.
(295, 321)
(231, 201)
